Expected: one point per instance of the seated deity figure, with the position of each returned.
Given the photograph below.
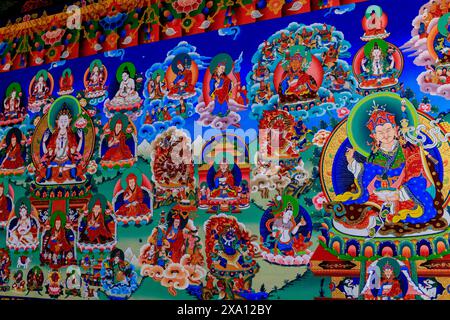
(127, 97)
(61, 150)
(296, 84)
(391, 184)
(23, 228)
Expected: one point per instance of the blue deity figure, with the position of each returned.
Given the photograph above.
(229, 247)
(119, 280)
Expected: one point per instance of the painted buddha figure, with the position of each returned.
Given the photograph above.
(97, 227)
(157, 85)
(220, 86)
(284, 228)
(96, 78)
(58, 243)
(224, 182)
(133, 199)
(61, 150)
(12, 105)
(126, 97)
(14, 157)
(23, 228)
(118, 150)
(182, 84)
(393, 178)
(374, 24)
(40, 89)
(296, 84)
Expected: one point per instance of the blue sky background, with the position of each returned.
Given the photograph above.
(400, 14)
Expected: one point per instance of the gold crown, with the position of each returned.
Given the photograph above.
(65, 111)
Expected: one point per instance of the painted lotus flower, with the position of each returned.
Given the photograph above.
(81, 123)
(186, 6)
(425, 107)
(342, 112)
(92, 167)
(321, 137)
(318, 200)
(52, 37)
(113, 22)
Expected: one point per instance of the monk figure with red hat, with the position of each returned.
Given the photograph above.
(133, 199)
(58, 243)
(118, 148)
(96, 228)
(13, 158)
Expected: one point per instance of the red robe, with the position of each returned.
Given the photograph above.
(94, 233)
(395, 289)
(51, 146)
(14, 158)
(4, 212)
(176, 244)
(119, 151)
(229, 181)
(66, 83)
(222, 93)
(186, 77)
(139, 209)
(58, 242)
(166, 115)
(148, 119)
(72, 155)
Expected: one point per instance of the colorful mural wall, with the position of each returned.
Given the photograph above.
(302, 157)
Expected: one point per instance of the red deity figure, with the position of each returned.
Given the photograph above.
(297, 84)
(58, 243)
(132, 202)
(118, 142)
(5, 205)
(14, 158)
(66, 83)
(183, 83)
(374, 23)
(97, 228)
